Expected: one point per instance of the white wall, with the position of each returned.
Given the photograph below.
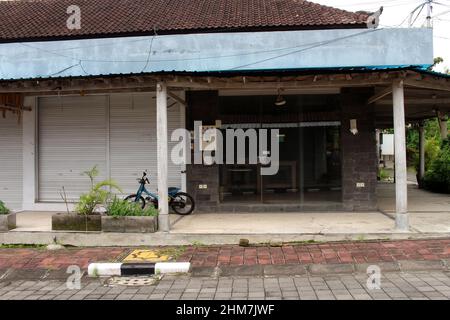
(387, 147)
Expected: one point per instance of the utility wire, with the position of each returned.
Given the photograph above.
(302, 50)
(149, 50)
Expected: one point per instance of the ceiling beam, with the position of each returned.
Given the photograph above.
(439, 84)
(419, 101)
(380, 95)
(177, 98)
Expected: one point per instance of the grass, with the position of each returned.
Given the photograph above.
(172, 252)
(23, 246)
(196, 243)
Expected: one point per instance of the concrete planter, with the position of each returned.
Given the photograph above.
(129, 224)
(7, 222)
(76, 222)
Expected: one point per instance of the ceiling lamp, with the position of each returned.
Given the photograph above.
(280, 99)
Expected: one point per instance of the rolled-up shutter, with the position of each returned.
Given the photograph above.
(11, 161)
(72, 139)
(133, 143)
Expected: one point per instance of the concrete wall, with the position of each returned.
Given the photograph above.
(219, 52)
(359, 152)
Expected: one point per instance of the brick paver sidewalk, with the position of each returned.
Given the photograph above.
(233, 255)
(22, 258)
(345, 252)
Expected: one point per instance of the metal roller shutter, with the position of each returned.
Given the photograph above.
(72, 139)
(11, 161)
(133, 141)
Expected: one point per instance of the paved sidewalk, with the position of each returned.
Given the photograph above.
(211, 256)
(429, 285)
(41, 258)
(340, 252)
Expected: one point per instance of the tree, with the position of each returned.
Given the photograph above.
(436, 61)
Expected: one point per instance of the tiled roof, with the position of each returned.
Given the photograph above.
(42, 19)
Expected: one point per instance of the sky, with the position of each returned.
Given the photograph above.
(396, 11)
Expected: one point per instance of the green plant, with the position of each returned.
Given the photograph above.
(3, 208)
(197, 243)
(437, 177)
(119, 208)
(173, 252)
(383, 174)
(92, 174)
(431, 152)
(97, 195)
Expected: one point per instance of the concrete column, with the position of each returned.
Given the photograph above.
(421, 151)
(29, 154)
(401, 191)
(443, 125)
(162, 155)
(378, 138)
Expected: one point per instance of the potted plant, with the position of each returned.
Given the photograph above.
(87, 215)
(7, 218)
(126, 216)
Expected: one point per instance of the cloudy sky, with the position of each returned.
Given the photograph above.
(396, 11)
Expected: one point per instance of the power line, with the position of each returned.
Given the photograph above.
(302, 50)
(189, 59)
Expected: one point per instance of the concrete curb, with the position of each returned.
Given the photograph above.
(319, 269)
(107, 239)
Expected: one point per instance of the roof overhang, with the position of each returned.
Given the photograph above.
(426, 92)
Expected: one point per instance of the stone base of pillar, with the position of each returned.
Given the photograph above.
(163, 223)
(402, 221)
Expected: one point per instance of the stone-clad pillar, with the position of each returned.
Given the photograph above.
(358, 151)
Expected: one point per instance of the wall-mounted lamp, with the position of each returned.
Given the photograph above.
(353, 126)
(280, 99)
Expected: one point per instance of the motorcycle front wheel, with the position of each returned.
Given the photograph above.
(182, 203)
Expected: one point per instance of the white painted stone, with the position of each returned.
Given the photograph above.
(53, 247)
(172, 267)
(104, 269)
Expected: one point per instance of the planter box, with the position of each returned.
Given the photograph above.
(7, 222)
(129, 224)
(75, 222)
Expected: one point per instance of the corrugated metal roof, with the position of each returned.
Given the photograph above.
(304, 71)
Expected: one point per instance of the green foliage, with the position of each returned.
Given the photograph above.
(432, 143)
(431, 152)
(436, 61)
(120, 208)
(3, 208)
(98, 195)
(92, 174)
(437, 177)
(383, 174)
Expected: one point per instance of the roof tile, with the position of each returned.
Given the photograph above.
(41, 19)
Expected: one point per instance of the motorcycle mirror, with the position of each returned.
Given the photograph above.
(144, 173)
